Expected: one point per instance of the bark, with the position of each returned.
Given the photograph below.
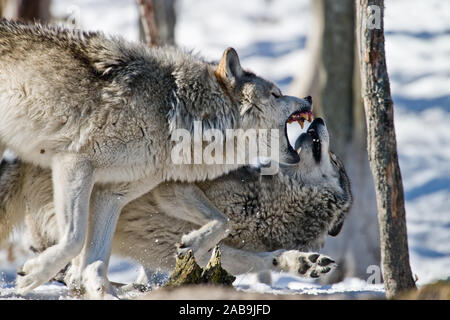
(382, 149)
(187, 271)
(214, 273)
(157, 23)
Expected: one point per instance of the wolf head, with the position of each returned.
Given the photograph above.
(317, 164)
(294, 209)
(319, 167)
(261, 103)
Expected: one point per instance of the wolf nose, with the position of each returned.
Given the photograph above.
(319, 121)
(308, 98)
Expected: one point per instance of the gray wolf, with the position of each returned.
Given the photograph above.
(272, 221)
(101, 111)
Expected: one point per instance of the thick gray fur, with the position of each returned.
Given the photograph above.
(100, 111)
(272, 221)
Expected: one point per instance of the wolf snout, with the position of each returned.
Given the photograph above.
(297, 105)
(317, 122)
(319, 126)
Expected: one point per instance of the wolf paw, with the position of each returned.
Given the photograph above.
(72, 278)
(32, 275)
(191, 241)
(203, 240)
(304, 264)
(95, 283)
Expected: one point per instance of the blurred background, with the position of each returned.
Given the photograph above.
(307, 47)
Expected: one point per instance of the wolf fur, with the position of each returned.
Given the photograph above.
(272, 220)
(101, 111)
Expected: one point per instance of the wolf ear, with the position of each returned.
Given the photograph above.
(229, 68)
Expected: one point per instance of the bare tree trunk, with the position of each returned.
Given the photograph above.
(157, 23)
(26, 10)
(382, 148)
(337, 57)
(165, 18)
(331, 77)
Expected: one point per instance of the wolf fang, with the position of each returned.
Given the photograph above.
(196, 310)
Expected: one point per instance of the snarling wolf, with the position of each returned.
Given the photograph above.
(100, 111)
(263, 222)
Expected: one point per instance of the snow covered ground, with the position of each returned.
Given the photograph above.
(270, 37)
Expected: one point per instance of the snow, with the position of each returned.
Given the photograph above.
(270, 37)
(289, 284)
(418, 52)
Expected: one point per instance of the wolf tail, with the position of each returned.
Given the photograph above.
(12, 207)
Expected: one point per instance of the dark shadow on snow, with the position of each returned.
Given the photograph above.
(273, 49)
(426, 35)
(432, 186)
(422, 104)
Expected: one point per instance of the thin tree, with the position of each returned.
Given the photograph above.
(157, 22)
(382, 147)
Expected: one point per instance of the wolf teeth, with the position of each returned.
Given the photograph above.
(300, 118)
(299, 150)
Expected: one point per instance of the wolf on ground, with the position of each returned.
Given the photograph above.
(262, 222)
(99, 112)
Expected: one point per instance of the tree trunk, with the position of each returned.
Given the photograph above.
(26, 10)
(331, 77)
(382, 148)
(337, 57)
(157, 23)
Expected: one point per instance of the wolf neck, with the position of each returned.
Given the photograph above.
(198, 96)
(287, 192)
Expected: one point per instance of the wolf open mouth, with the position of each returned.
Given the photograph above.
(300, 117)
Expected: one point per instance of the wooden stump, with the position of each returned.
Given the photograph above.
(187, 271)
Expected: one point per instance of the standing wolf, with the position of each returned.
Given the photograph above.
(272, 220)
(101, 111)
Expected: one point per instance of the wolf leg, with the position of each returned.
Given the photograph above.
(72, 276)
(107, 202)
(12, 206)
(72, 184)
(188, 202)
(304, 264)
